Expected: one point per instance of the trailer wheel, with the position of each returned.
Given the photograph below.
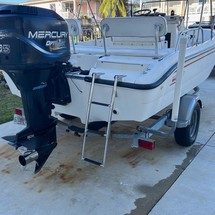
(187, 136)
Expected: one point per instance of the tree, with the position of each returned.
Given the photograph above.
(113, 8)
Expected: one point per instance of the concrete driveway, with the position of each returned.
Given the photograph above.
(169, 180)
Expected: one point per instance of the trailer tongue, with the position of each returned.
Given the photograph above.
(34, 51)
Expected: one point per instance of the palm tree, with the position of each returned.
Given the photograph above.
(113, 8)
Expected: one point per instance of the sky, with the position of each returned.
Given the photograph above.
(12, 1)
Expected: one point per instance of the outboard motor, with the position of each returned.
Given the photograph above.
(34, 51)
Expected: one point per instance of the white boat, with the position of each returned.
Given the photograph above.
(148, 74)
(142, 53)
(132, 73)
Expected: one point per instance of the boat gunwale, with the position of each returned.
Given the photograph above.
(171, 70)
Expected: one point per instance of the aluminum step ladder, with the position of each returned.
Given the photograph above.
(110, 111)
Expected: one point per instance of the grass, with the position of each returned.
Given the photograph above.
(8, 103)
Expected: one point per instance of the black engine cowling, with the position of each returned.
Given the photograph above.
(32, 38)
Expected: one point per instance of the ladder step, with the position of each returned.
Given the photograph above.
(93, 162)
(100, 103)
(76, 129)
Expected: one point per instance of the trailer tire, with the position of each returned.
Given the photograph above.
(187, 136)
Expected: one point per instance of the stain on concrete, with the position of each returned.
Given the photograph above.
(40, 191)
(155, 193)
(6, 171)
(7, 152)
(64, 173)
(134, 156)
(131, 153)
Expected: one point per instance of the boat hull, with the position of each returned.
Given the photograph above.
(140, 104)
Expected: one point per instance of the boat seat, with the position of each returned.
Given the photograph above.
(74, 26)
(134, 26)
(192, 33)
(148, 27)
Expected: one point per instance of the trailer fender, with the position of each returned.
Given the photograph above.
(187, 105)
